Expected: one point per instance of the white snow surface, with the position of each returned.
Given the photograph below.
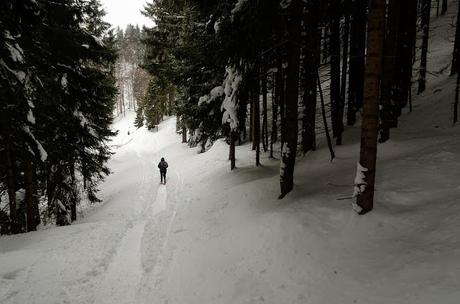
(211, 235)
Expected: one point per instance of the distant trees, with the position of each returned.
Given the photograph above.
(132, 79)
(56, 99)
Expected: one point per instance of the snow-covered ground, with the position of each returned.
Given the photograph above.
(212, 235)
(215, 236)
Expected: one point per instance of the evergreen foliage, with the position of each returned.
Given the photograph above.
(57, 92)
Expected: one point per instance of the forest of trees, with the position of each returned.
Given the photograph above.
(57, 92)
(281, 73)
(276, 73)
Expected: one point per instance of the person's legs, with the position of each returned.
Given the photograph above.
(161, 177)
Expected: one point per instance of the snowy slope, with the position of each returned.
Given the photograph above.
(212, 235)
(215, 236)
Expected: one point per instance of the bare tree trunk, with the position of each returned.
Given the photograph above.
(232, 150)
(73, 202)
(336, 103)
(30, 199)
(405, 55)
(289, 136)
(256, 117)
(184, 134)
(456, 64)
(251, 121)
(11, 184)
(357, 54)
(275, 98)
(264, 109)
(457, 88)
(426, 9)
(323, 112)
(282, 93)
(370, 122)
(345, 42)
(311, 64)
(444, 7)
(388, 86)
(456, 53)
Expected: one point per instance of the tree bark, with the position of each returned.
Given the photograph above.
(323, 112)
(264, 109)
(370, 122)
(310, 68)
(232, 150)
(426, 9)
(275, 102)
(289, 136)
(388, 114)
(30, 199)
(456, 53)
(11, 184)
(357, 59)
(457, 88)
(444, 7)
(184, 134)
(345, 50)
(256, 136)
(405, 55)
(336, 103)
(73, 202)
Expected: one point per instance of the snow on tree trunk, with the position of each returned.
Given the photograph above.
(370, 120)
(289, 136)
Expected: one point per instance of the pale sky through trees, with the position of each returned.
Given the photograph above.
(123, 12)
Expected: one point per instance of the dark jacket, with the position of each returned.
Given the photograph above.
(162, 166)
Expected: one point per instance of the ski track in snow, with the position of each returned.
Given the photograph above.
(124, 274)
(122, 279)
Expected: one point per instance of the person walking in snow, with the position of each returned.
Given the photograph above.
(163, 165)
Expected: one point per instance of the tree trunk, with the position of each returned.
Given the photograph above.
(357, 60)
(457, 88)
(405, 55)
(345, 42)
(256, 135)
(289, 136)
(337, 124)
(30, 199)
(388, 114)
(310, 68)
(426, 9)
(370, 122)
(264, 109)
(456, 53)
(444, 7)
(281, 87)
(11, 184)
(323, 112)
(251, 121)
(275, 98)
(184, 134)
(73, 202)
(232, 150)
